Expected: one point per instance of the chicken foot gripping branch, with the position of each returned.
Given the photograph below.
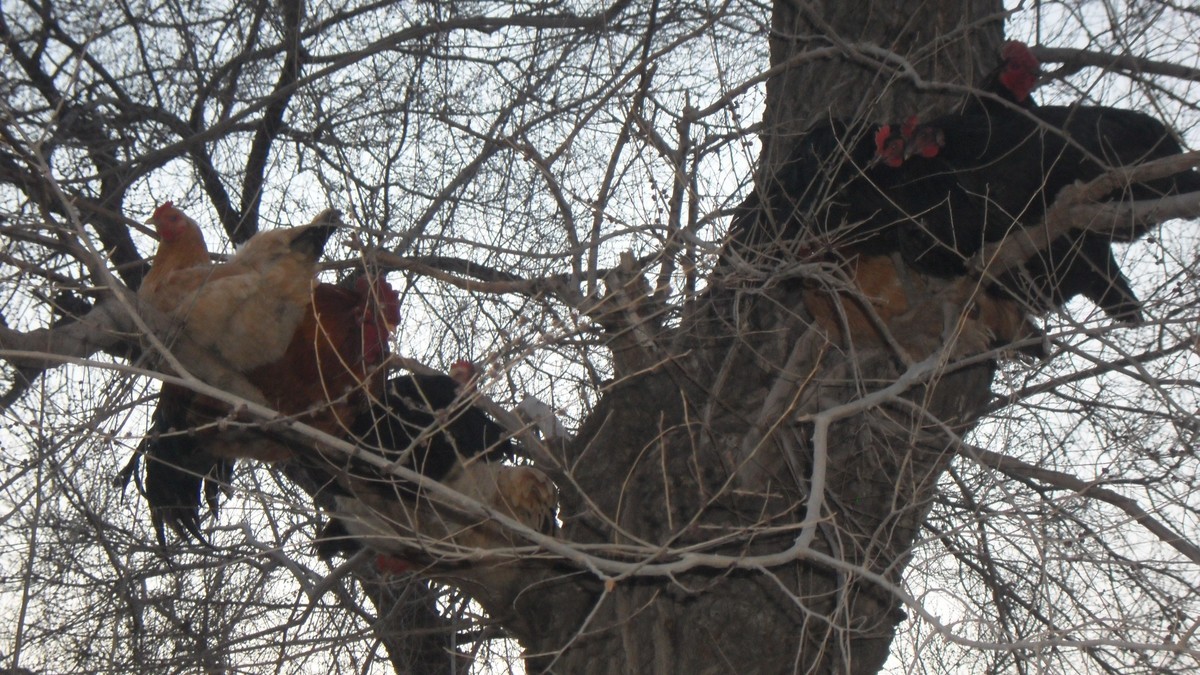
(317, 352)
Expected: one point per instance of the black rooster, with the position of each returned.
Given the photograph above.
(998, 168)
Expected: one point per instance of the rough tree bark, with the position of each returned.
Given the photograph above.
(716, 448)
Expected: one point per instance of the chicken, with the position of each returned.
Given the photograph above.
(174, 465)
(324, 375)
(834, 200)
(330, 371)
(181, 246)
(432, 415)
(246, 310)
(998, 169)
(988, 182)
(830, 195)
(331, 366)
(427, 423)
(408, 531)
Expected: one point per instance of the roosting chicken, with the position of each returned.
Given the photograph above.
(836, 200)
(325, 376)
(429, 424)
(245, 310)
(435, 416)
(998, 168)
(406, 532)
(830, 195)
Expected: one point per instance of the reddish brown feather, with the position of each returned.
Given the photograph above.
(332, 362)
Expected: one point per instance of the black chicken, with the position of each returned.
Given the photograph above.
(996, 170)
(428, 424)
(432, 418)
(830, 195)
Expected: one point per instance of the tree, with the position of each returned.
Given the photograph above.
(743, 490)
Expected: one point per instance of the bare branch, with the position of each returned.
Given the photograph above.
(1074, 59)
(486, 280)
(1074, 209)
(1064, 481)
(272, 120)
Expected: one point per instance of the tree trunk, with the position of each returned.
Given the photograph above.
(716, 450)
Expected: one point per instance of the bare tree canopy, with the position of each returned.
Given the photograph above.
(642, 337)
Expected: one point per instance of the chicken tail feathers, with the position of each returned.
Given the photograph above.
(179, 477)
(311, 240)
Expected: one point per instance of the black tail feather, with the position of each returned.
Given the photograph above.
(311, 240)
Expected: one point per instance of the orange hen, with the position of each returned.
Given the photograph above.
(181, 246)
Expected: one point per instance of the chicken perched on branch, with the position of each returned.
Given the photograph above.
(831, 195)
(837, 200)
(432, 531)
(436, 417)
(326, 378)
(329, 370)
(999, 168)
(246, 310)
(430, 424)
(331, 367)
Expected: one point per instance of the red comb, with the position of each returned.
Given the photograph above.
(1021, 69)
(390, 300)
(930, 151)
(1018, 53)
(881, 137)
(163, 209)
(910, 125)
(380, 316)
(889, 148)
(461, 371)
(386, 297)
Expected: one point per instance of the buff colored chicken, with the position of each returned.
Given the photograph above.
(245, 310)
(327, 377)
